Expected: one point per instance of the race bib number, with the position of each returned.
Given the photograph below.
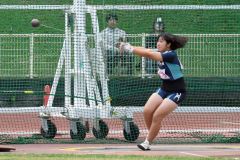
(162, 74)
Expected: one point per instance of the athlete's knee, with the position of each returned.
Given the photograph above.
(147, 111)
(158, 117)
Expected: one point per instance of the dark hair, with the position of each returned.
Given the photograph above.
(176, 41)
(111, 16)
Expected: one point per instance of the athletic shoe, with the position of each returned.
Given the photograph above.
(145, 146)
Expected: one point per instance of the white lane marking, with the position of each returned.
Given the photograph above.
(225, 122)
(192, 154)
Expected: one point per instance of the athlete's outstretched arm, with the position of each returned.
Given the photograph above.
(140, 51)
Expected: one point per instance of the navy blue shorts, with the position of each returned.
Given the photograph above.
(176, 97)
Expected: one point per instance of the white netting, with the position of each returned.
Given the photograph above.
(89, 89)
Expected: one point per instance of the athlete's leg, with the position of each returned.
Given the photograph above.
(152, 104)
(166, 107)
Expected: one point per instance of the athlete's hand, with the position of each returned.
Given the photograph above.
(125, 47)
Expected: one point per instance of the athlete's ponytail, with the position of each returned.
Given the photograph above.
(176, 41)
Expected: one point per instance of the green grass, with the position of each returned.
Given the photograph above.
(19, 21)
(176, 21)
(99, 2)
(94, 157)
(35, 2)
(163, 2)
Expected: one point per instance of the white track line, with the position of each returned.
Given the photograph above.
(144, 131)
(235, 123)
(192, 154)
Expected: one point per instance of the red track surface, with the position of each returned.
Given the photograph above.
(24, 123)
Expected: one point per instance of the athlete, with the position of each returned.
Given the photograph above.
(172, 91)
